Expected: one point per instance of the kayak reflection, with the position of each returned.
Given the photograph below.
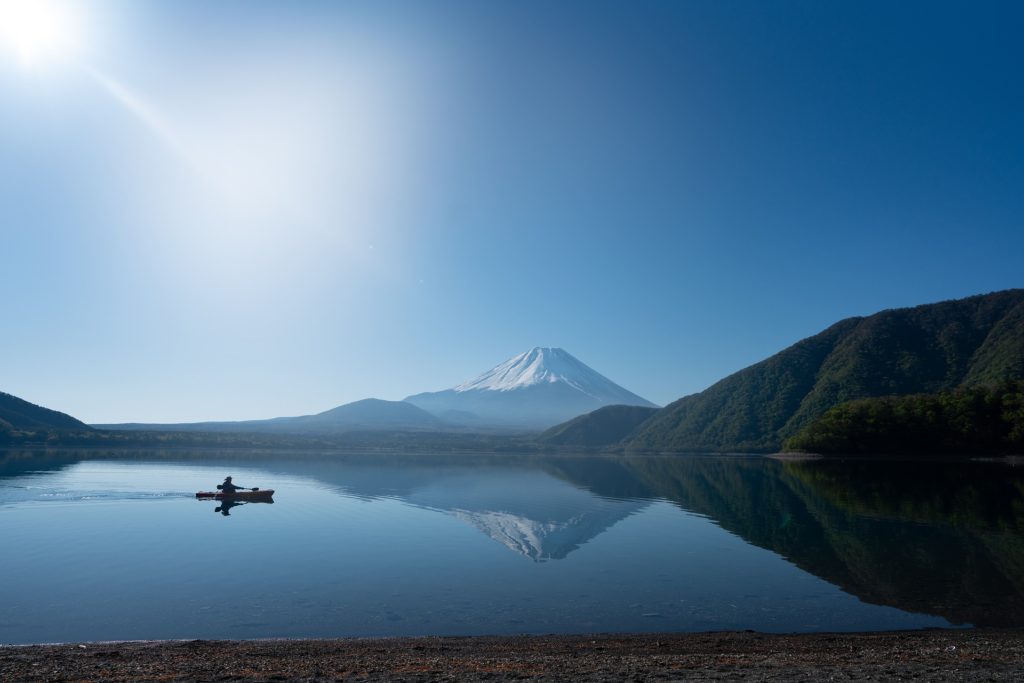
(233, 499)
(226, 506)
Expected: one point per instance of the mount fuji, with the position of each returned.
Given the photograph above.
(534, 390)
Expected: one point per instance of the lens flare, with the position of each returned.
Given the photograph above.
(36, 30)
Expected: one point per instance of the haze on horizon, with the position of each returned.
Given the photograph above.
(247, 209)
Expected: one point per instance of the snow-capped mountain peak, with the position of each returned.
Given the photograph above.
(536, 389)
(539, 365)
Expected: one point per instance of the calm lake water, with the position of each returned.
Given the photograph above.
(117, 547)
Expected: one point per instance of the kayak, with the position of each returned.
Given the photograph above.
(237, 495)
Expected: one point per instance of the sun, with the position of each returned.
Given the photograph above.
(36, 30)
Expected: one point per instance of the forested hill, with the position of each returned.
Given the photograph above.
(18, 414)
(976, 420)
(599, 428)
(926, 349)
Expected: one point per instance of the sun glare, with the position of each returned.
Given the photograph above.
(36, 30)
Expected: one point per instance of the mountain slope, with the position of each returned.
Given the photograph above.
(368, 414)
(925, 349)
(16, 413)
(599, 428)
(536, 389)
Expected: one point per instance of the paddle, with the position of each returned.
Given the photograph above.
(221, 486)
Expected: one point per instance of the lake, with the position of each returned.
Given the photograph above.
(115, 546)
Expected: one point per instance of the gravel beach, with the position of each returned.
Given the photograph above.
(939, 655)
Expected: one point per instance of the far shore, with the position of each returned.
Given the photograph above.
(114, 449)
(930, 655)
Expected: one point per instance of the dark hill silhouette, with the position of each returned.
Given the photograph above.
(19, 414)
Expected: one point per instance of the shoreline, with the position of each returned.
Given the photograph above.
(934, 654)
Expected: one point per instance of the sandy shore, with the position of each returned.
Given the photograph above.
(968, 655)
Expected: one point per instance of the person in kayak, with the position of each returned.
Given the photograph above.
(228, 487)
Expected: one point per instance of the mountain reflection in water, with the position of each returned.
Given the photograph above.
(932, 537)
(515, 501)
(529, 512)
(935, 537)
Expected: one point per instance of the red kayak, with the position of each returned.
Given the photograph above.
(237, 495)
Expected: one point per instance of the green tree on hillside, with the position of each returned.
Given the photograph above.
(984, 419)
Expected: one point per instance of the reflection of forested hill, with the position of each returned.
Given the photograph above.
(921, 538)
(15, 463)
(946, 539)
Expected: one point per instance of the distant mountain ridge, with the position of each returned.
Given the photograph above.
(924, 349)
(19, 414)
(535, 389)
(367, 414)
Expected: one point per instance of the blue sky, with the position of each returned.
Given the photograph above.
(246, 209)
